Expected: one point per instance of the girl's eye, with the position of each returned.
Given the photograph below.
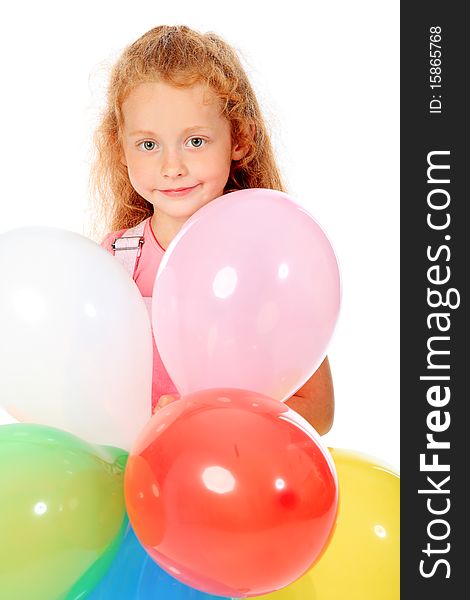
(196, 142)
(147, 145)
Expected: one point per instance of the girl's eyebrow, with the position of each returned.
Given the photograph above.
(185, 132)
(195, 128)
(141, 132)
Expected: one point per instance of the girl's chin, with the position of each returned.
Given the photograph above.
(175, 213)
(179, 209)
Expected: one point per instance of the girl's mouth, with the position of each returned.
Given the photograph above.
(178, 192)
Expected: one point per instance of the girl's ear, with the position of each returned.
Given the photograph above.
(240, 149)
(122, 157)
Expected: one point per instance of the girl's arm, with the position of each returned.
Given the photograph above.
(315, 401)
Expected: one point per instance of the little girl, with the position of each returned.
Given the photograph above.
(182, 127)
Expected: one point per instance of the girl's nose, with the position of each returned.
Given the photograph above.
(173, 165)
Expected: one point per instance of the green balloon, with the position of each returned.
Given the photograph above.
(62, 512)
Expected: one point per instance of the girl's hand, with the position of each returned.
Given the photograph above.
(164, 401)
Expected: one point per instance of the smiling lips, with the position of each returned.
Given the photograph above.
(178, 192)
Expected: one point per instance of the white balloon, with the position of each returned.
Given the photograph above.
(75, 337)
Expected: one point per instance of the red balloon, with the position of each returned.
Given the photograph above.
(231, 492)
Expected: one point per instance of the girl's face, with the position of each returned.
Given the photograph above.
(177, 147)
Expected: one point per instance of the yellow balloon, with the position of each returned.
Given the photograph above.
(362, 560)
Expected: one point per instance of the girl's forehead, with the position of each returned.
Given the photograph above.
(159, 92)
(151, 100)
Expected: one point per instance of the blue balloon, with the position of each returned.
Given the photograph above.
(133, 575)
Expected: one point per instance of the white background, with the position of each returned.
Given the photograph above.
(326, 75)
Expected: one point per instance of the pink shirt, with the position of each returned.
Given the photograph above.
(147, 266)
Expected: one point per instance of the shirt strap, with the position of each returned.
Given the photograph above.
(128, 247)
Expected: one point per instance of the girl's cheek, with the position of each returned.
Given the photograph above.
(137, 177)
(138, 169)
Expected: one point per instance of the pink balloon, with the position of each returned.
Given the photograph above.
(246, 296)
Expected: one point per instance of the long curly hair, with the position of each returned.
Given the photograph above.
(179, 56)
